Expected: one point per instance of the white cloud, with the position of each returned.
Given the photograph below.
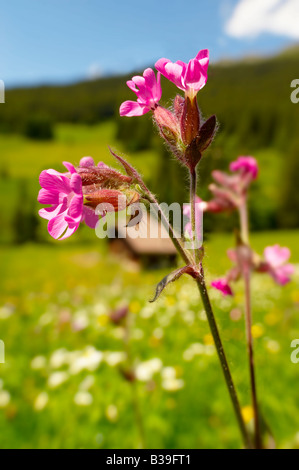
(250, 18)
(94, 71)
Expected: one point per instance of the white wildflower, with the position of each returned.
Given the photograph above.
(38, 362)
(41, 401)
(112, 413)
(83, 398)
(4, 398)
(57, 378)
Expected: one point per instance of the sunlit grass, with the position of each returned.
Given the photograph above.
(58, 297)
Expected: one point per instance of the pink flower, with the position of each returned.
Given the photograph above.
(190, 77)
(63, 191)
(231, 190)
(148, 91)
(223, 286)
(276, 264)
(246, 165)
(88, 162)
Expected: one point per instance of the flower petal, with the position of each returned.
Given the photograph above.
(70, 167)
(69, 231)
(50, 212)
(45, 196)
(276, 255)
(132, 108)
(203, 58)
(195, 77)
(90, 217)
(76, 183)
(57, 226)
(282, 275)
(54, 181)
(75, 210)
(86, 162)
(223, 286)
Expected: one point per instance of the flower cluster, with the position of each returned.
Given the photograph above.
(230, 193)
(82, 194)
(274, 262)
(230, 190)
(180, 127)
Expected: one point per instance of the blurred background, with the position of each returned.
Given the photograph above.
(73, 312)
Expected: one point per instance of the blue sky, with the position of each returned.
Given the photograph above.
(54, 41)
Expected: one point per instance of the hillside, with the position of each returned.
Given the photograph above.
(250, 98)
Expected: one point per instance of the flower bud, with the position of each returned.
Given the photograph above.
(119, 200)
(167, 124)
(190, 120)
(106, 177)
(178, 106)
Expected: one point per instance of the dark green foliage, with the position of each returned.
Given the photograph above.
(254, 112)
(39, 128)
(289, 194)
(25, 220)
(250, 99)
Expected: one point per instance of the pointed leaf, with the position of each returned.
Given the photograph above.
(173, 277)
(129, 169)
(206, 134)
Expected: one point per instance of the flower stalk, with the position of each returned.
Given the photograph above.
(200, 281)
(246, 273)
(193, 184)
(211, 318)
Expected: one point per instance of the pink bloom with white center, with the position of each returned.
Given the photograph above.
(148, 91)
(190, 77)
(246, 165)
(63, 191)
(222, 285)
(276, 264)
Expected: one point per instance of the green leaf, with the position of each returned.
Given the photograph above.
(173, 277)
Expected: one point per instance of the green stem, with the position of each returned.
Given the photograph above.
(248, 323)
(208, 309)
(186, 256)
(211, 318)
(193, 184)
(222, 357)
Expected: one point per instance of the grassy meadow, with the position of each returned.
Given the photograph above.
(64, 381)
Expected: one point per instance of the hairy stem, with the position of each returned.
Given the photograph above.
(209, 312)
(211, 318)
(193, 184)
(248, 323)
(186, 256)
(222, 357)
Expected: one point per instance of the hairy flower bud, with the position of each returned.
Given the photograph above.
(106, 177)
(167, 124)
(118, 200)
(190, 120)
(178, 106)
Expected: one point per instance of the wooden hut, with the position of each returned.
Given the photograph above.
(147, 243)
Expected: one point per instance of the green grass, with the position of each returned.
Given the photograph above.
(25, 158)
(58, 297)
